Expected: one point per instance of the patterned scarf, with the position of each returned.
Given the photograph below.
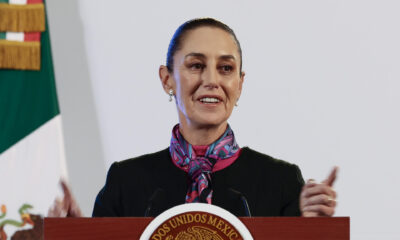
(199, 168)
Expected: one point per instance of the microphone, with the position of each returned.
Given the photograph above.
(157, 195)
(244, 201)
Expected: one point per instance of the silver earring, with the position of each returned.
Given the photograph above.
(170, 93)
(236, 104)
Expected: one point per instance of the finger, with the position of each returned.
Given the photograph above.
(322, 210)
(310, 183)
(318, 200)
(310, 214)
(318, 189)
(68, 199)
(50, 213)
(75, 211)
(59, 204)
(65, 188)
(56, 209)
(332, 177)
(70, 205)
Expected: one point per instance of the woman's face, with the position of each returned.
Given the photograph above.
(206, 77)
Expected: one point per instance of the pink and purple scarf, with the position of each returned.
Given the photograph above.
(199, 168)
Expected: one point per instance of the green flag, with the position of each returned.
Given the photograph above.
(32, 155)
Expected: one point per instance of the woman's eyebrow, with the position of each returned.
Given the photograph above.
(227, 57)
(201, 55)
(194, 54)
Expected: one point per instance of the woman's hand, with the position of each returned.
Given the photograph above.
(66, 207)
(319, 199)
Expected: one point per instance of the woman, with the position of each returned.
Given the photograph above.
(203, 162)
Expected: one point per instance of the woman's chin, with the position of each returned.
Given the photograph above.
(204, 119)
(210, 121)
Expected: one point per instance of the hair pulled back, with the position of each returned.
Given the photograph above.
(176, 42)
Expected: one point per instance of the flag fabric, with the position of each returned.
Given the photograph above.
(21, 22)
(32, 157)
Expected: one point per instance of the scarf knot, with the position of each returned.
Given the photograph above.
(199, 168)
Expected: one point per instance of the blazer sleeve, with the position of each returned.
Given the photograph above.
(291, 192)
(107, 202)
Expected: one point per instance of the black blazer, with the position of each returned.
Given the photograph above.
(271, 187)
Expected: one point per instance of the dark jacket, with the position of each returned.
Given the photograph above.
(271, 187)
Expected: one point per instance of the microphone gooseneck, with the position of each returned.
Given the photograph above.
(156, 196)
(244, 201)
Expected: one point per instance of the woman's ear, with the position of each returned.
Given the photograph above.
(166, 79)
(242, 74)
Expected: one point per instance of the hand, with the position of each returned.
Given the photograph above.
(66, 207)
(319, 199)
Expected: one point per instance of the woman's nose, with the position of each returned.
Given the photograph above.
(210, 78)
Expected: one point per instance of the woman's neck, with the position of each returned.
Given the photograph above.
(204, 135)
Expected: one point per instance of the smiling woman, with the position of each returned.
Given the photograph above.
(204, 163)
(207, 81)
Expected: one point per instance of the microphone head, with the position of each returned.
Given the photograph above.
(235, 192)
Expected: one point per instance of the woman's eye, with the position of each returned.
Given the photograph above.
(197, 66)
(226, 68)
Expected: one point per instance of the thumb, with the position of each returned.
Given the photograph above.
(332, 177)
(67, 200)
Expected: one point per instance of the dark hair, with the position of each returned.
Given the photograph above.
(176, 41)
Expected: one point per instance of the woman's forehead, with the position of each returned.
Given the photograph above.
(209, 41)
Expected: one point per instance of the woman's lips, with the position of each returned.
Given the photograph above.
(209, 100)
(209, 104)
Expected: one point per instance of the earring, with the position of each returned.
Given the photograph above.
(170, 93)
(236, 104)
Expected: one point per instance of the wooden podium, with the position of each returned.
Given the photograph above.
(261, 228)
